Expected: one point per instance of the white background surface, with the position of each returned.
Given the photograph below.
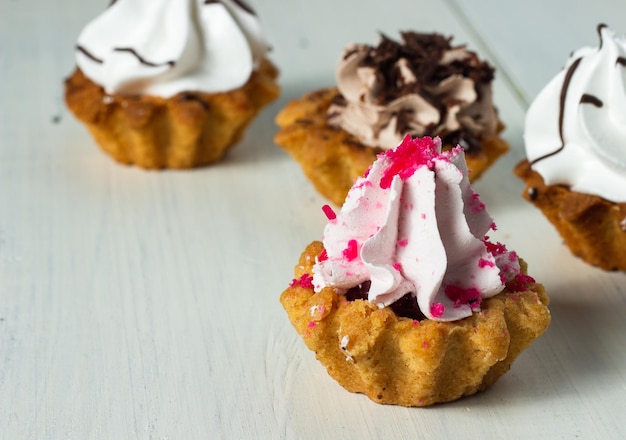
(144, 305)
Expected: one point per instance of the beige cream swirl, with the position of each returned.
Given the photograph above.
(422, 86)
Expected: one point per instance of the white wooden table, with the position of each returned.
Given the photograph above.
(144, 305)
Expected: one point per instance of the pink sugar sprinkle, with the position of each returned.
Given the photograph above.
(415, 322)
(485, 263)
(362, 183)
(493, 226)
(425, 344)
(477, 205)
(520, 283)
(312, 324)
(351, 252)
(379, 205)
(397, 266)
(305, 281)
(512, 257)
(407, 157)
(323, 256)
(494, 248)
(423, 215)
(330, 214)
(403, 242)
(461, 295)
(437, 309)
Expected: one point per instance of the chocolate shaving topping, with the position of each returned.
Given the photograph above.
(338, 99)
(413, 66)
(349, 53)
(621, 61)
(423, 53)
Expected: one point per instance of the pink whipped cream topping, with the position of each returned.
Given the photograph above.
(413, 224)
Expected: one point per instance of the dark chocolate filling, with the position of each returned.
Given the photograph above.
(405, 307)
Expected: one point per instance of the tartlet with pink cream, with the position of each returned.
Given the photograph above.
(406, 299)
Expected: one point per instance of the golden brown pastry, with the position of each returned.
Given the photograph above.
(593, 228)
(187, 130)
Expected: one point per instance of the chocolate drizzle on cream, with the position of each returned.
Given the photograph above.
(243, 5)
(88, 54)
(590, 99)
(141, 59)
(599, 30)
(584, 99)
(581, 111)
(562, 97)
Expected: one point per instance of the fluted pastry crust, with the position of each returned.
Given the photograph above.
(593, 228)
(189, 129)
(396, 360)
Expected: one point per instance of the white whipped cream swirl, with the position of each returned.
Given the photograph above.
(575, 131)
(414, 225)
(163, 47)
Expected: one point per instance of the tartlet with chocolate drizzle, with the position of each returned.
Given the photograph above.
(575, 172)
(161, 99)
